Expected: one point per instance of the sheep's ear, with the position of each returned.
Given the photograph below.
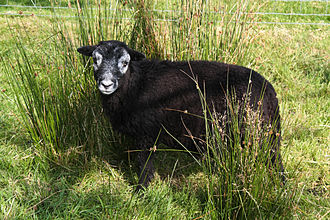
(87, 50)
(135, 55)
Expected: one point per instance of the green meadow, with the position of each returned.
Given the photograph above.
(60, 158)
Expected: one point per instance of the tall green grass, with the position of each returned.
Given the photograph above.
(240, 180)
(56, 94)
(56, 97)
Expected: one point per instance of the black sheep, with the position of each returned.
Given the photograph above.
(142, 96)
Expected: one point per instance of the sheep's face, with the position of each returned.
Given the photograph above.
(111, 63)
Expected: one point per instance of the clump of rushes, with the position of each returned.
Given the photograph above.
(57, 99)
(241, 181)
(102, 20)
(143, 35)
(212, 31)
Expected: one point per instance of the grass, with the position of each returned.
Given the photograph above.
(79, 168)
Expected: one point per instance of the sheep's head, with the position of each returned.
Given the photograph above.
(111, 63)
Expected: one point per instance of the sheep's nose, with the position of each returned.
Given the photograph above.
(106, 83)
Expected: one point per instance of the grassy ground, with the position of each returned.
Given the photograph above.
(75, 184)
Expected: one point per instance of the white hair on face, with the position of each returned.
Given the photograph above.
(98, 58)
(123, 62)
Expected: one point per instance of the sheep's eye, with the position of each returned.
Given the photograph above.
(125, 63)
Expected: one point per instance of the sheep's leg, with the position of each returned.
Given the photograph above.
(146, 168)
